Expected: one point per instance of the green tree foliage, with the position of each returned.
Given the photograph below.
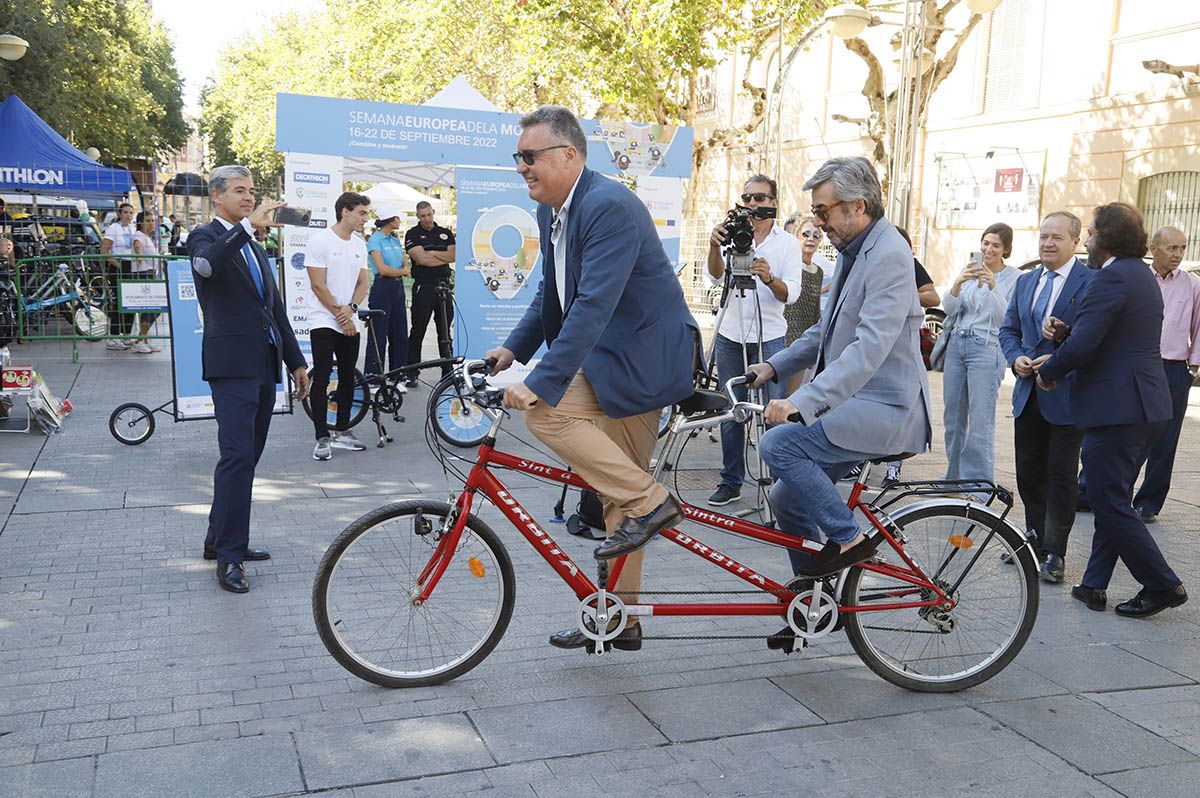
(609, 58)
(100, 72)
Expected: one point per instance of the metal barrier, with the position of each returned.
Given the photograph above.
(85, 297)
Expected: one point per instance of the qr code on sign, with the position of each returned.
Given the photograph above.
(187, 291)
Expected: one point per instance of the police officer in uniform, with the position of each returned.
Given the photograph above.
(431, 249)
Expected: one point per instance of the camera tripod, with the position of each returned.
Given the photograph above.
(737, 282)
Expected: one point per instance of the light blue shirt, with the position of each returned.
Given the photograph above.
(390, 247)
(979, 309)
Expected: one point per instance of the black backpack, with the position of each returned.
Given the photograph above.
(588, 519)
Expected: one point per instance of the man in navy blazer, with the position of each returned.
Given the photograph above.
(1120, 397)
(1044, 433)
(246, 334)
(620, 341)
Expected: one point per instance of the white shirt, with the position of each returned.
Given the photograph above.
(558, 233)
(826, 266)
(782, 252)
(149, 247)
(1056, 287)
(121, 237)
(342, 261)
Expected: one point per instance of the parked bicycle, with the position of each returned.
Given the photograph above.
(63, 289)
(420, 592)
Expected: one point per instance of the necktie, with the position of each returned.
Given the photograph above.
(256, 275)
(1042, 303)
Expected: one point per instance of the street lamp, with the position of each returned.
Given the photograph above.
(12, 47)
(849, 20)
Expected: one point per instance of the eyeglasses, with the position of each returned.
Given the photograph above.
(528, 156)
(822, 212)
(757, 196)
(812, 235)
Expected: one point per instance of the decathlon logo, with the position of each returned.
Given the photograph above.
(38, 177)
(310, 177)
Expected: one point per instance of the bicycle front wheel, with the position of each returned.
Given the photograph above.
(359, 404)
(934, 650)
(364, 596)
(456, 419)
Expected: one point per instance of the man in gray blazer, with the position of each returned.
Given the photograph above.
(870, 394)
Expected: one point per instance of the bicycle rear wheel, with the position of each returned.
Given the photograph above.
(939, 651)
(363, 596)
(358, 405)
(456, 419)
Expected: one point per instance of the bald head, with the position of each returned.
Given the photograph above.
(1168, 246)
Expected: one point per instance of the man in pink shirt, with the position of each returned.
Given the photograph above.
(1180, 348)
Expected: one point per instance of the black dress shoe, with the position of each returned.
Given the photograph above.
(251, 554)
(1151, 602)
(785, 640)
(1053, 569)
(630, 638)
(231, 576)
(831, 558)
(1145, 514)
(1094, 599)
(633, 533)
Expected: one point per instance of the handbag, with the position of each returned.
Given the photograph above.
(937, 356)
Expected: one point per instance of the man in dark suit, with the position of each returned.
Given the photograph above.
(246, 334)
(1120, 397)
(1044, 433)
(620, 341)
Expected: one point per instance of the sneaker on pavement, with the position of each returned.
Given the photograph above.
(724, 494)
(153, 346)
(142, 348)
(346, 440)
(116, 345)
(322, 450)
(852, 474)
(892, 474)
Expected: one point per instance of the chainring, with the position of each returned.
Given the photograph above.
(388, 399)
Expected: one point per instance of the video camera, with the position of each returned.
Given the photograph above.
(739, 241)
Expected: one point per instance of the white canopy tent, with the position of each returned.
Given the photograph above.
(406, 197)
(458, 94)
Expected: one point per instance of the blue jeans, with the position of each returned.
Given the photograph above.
(733, 436)
(804, 497)
(974, 368)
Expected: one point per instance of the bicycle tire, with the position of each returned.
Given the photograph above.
(1018, 580)
(89, 321)
(116, 421)
(359, 405)
(346, 596)
(457, 421)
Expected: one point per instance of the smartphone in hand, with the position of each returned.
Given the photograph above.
(292, 216)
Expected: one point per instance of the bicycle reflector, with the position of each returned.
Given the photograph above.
(476, 567)
(961, 542)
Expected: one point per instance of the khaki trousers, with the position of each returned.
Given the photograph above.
(612, 454)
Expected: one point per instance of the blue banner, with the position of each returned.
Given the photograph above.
(428, 134)
(499, 259)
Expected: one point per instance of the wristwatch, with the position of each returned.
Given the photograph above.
(354, 307)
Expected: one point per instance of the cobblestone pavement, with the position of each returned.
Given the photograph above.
(124, 671)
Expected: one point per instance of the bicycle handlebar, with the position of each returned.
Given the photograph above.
(743, 410)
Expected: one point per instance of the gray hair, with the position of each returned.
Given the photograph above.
(1157, 238)
(218, 179)
(1075, 226)
(562, 123)
(853, 179)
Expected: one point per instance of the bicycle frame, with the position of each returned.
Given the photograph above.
(482, 480)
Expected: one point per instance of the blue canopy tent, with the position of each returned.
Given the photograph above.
(34, 159)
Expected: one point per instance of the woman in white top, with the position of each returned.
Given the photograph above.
(145, 269)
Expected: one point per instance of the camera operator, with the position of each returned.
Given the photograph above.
(749, 324)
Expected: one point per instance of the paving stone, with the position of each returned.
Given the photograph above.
(1164, 781)
(562, 728)
(695, 713)
(391, 750)
(1087, 736)
(1096, 668)
(859, 693)
(242, 768)
(70, 778)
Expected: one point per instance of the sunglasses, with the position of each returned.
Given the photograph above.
(812, 235)
(758, 196)
(822, 212)
(528, 156)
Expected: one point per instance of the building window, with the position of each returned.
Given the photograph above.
(1005, 77)
(1173, 198)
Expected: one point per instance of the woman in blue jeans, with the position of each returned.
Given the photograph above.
(974, 364)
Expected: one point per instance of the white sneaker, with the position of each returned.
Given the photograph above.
(322, 451)
(892, 474)
(346, 440)
(116, 345)
(142, 348)
(153, 347)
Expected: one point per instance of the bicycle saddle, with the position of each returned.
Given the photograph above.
(370, 313)
(703, 401)
(887, 458)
